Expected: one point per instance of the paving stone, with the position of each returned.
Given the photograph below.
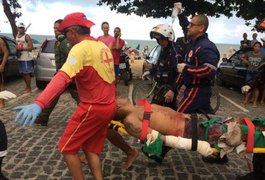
(33, 154)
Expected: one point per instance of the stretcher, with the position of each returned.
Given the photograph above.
(252, 129)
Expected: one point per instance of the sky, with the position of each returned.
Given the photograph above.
(42, 14)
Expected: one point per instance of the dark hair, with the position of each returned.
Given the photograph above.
(105, 22)
(117, 28)
(81, 30)
(203, 20)
(59, 21)
(257, 43)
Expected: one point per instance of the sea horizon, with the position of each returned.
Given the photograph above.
(138, 44)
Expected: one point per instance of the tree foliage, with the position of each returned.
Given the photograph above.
(247, 9)
(11, 8)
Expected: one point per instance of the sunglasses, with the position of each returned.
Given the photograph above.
(191, 24)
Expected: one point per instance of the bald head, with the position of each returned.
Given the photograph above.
(203, 20)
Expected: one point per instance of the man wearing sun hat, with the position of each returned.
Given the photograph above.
(90, 63)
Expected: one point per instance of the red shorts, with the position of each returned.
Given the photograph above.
(87, 128)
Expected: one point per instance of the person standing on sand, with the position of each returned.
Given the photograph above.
(24, 46)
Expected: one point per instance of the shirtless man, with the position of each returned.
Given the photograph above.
(176, 128)
(3, 59)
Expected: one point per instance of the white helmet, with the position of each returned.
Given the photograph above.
(164, 30)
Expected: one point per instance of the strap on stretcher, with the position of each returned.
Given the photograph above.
(194, 144)
(146, 118)
(250, 138)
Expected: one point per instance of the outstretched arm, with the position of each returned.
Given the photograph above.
(183, 22)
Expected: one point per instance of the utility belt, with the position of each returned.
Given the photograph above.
(164, 77)
(253, 71)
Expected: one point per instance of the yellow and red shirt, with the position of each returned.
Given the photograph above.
(90, 63)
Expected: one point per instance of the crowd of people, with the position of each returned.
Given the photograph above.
(89, 68)
(254, 59)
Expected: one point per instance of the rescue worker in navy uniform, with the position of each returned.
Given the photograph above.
(164, 70)
(199, 68)
(198, 72)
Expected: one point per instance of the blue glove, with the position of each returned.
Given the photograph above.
(27, 114)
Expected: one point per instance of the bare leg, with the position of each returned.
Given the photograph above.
(247, 98)
(27, 80)
(74, 166)
(255, 97)
(94, 164)
(263, 96)
(83, 159)
(116, 139)
(2, 101)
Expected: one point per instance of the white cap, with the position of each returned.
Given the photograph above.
(21, 25)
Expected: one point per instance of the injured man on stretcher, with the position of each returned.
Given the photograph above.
(157, 126)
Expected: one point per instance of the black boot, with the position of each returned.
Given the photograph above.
(217, 160)
(165, 150)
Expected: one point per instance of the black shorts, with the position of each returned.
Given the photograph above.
(3, 137)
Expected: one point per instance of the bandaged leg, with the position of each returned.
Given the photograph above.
(203, 147)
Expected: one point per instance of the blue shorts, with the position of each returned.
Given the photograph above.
(251, 75)
(117, 69)
(25, 67)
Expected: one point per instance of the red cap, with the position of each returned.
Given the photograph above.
(75, 19)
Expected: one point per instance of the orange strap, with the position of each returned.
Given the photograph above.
(146, 118)
(250, 138)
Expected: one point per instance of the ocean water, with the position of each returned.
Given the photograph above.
(139, 44)
(223, 48)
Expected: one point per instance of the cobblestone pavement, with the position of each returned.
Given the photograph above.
(33, 154)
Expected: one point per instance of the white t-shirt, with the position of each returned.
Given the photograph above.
(25, 55)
